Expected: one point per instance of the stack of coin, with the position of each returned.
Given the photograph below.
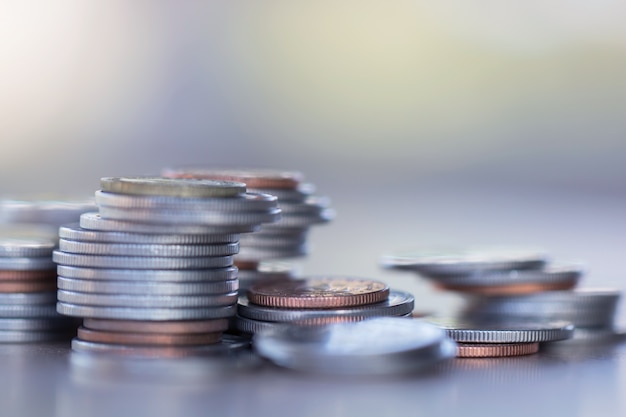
(44, 210)
(301, 210)
(379, 346)
(514, 285)
(152, 273)
(28, 288)
(318, 301)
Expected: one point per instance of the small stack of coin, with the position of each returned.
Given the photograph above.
(44, 210)
(28, 288)
(318, 301)
(301, 210)
(152, 273)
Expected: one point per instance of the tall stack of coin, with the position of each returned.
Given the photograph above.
(28, 288)
(317, 301)
(513, 285)
(285, 239)
(152, 273)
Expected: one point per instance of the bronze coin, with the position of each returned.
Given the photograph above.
(509, 289)
(318, 293)
(246, 265)
(159, 339)
(168, 327)
(28, 286)
(495, 350)
(254, 178)
(26, 275)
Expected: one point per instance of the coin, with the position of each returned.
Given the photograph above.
(253, 178)
(121, 338)
(74, 232)
(25, 243)
(493, 350)
(318, 293)
(16, 336)
(27, 286)
(26, 275)
(503, 331)
(93, 221)
(37, 324)
(372, 347)
(147, 288)
(148, 275)
(398, 304)
(509, 289)
(182, 188)
(137, 262)
(13, 298)
(147, 301)
(155, 314)
(24, 264)
(28, 311)
(134, 249)
(171, 327)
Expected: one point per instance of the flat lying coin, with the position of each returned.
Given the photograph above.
(133, 249)
(155, 314)
(171, 327)
(318, 293)
(253, 178)
(140, 262)
(157, 339)
(74, 232)
(147, 301)
(26, 242)
(148, 275)
(503, 332)
(146, 288)
(495, 350)
(377, 346)
(183, 188)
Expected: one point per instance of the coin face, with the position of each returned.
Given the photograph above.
(318, 293)
(173, 187)
(253, 178)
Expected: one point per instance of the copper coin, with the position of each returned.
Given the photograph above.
(510, 289)
(169, 327)
(318, 293)
(246, 265)
(24, 275)
(28, 286)
(495, 350)
(254, 178)
(159, 339)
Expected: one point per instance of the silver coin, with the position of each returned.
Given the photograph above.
(372, 347)
(16, 336)
(300, 194)
(155, 314)
(141, 250)
(37, 324)
(198, 217)
(93, 221)
(44, 210)
(136, 262)
(147, 287)
(399, 303)
(148, 275)
(28, 311)
(548, 274)
(292, 220)
(230, 344)
(26, 242)
(251, 326)
(504, 331)
(74, 232)
(464, 262)
(147, 301)
(26, 264)
(243, 202)
(174, 187)
(48, 297)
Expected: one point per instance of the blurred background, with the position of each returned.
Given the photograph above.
(427, 123)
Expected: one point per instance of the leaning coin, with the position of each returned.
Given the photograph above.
(372, 347)
(156, 339)
(23, 264)
(134, 249)
(27, 298)
(183, 188)
(147, 301)
(74, 232)
(172, 327)
(253, 178)
(93, 221)
(318, 293)
(146, 288)
(464, 262)
(398, 304)
(137, 262)
(148, 275)
(16, 336)
(495, 350)
(155, 314)
(503, 331)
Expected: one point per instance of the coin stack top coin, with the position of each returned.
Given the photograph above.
(152, 273)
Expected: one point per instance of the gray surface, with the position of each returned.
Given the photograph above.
(45, 379)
